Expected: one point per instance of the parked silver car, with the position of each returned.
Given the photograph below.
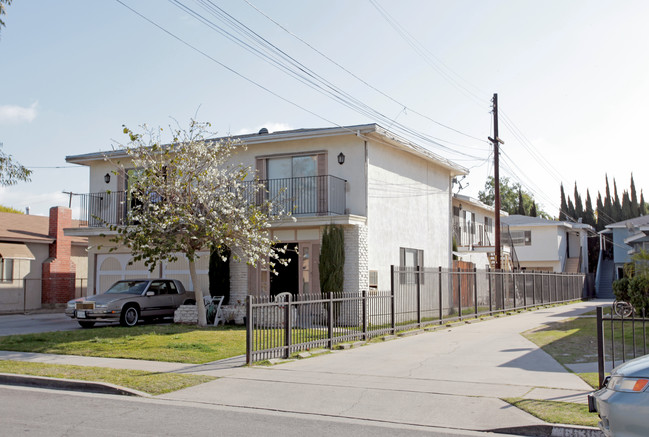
(623, 402)
(130, 301)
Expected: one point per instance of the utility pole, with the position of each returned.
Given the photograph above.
(495, 142)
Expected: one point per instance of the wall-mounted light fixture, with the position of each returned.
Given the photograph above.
(107, 178)
(341, 158)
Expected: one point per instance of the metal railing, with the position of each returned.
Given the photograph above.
(418, 298)
(314, 195)
(25, 295)
(623, 339)
(471, 233)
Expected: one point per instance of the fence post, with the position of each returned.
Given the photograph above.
(418, 274)
(287, 325)
(393, 315)
(364, 314)
(475, 290)
(514, 286)
(459, 290)
(524, 288)
(501, 275)
(533, 288)
(489, 279)
(441, 299)
(249, 325)
(600, 345)
(330, 320)
(24, 295)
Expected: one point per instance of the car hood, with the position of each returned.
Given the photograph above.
(636, 368)
(106, 298)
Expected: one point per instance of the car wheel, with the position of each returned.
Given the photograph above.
(87, 324)
(130, 316)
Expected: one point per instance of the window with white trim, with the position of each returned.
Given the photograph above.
(6, 269)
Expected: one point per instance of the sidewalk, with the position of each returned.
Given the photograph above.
(452, 378)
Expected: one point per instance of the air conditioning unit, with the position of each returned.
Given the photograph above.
(374, 278)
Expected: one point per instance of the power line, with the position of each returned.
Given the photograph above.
(359, 78)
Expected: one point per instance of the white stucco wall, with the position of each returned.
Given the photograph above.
(548, 242)
(409, 205)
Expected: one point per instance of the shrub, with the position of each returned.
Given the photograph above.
(621, 289)
(639, 293)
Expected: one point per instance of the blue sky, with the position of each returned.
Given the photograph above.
(572, 79)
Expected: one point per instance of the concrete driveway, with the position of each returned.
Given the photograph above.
(453, 378)
(13, 324)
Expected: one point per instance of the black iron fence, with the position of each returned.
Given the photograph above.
(281, 327)
(620, 338)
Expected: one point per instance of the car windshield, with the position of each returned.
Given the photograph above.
(127, 287)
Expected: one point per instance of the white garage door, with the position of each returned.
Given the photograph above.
(114, 267)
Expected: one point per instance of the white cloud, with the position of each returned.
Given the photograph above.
(272, 127)
(13, 114)
(39, 204)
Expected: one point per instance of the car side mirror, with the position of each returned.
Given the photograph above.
(150, 293)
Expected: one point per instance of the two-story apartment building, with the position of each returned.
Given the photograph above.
(549, 245)
(392, 198)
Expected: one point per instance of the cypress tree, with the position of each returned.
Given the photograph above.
(600, 213)
(626, 206)
(571, 211)
(635, 206)
(563, 210)
(579, 206)
(521, 208)
(617, 205)
(608, 205)
(332, 259)
(589, 214)
(643, 207)
(533, 212)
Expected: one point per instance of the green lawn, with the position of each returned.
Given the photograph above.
(575, 340)
(556, 412)
(173, 343)
(148, 382)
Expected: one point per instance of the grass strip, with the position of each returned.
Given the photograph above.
(566, 413)
(148, 382)
(171, 343)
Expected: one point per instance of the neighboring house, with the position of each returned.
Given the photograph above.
(473, 230)
(392, 197)
(549, 245)
(628, 237)
(39, 265)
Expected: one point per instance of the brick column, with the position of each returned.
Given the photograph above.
(59, 270)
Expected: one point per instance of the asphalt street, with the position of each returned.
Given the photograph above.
(38, 412)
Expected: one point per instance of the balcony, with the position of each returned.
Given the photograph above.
(303, 196)
(471, 234)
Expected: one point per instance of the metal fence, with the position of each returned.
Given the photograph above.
(619, 338)
(24, 295)
(278, 328)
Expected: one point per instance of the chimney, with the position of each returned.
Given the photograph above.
(27, 210)
(59, 270)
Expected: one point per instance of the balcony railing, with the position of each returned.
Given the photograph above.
(471, 234)
(304, 196)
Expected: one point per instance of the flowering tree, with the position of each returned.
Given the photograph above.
(11, 172)
(186, 197)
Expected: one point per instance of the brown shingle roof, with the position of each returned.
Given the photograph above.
(30, 229)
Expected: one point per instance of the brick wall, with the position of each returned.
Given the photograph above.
(59, 270)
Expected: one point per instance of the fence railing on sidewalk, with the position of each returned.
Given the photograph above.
(278, 328)
(619, 338)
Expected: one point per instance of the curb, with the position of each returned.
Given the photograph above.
(551, 431)
(68, 384)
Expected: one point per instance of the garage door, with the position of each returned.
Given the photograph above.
(115, 267)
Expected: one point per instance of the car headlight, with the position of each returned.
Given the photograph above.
(72, 304)
(631, 385)
(101, 305)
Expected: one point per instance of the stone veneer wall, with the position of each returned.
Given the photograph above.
(357, 274)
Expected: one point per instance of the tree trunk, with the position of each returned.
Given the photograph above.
(198, 294)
